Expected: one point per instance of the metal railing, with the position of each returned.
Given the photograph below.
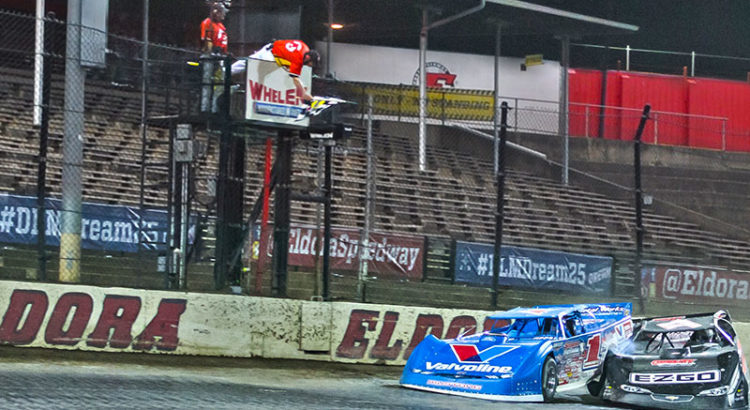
(662, 122)
(667, 61)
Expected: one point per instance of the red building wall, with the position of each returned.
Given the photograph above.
(681, 103)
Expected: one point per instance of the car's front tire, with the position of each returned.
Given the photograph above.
(549, 379)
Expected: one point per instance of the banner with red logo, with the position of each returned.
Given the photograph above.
(697, 285)
(395, 256)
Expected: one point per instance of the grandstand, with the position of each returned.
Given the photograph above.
(689, 221)
(453, 200)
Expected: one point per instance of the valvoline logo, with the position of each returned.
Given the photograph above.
(471, 354)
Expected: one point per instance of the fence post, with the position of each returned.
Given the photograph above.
(499, 210)
(692, 63)
(586, 113)
(627, 58)
(400, 98)
(369, 187)
(442, 109)
(45, 87)
(656, 128)
(639, 229)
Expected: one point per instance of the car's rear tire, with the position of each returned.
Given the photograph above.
(595, 386)
(549, 379)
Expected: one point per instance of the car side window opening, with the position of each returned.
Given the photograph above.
(530, 328)
(573, 325)
(570, 326)
(700, 337)
(501, 326)
(549, 327)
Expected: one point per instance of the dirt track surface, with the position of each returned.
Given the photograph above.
(38, 378)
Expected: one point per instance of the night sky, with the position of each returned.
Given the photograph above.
(711, 28)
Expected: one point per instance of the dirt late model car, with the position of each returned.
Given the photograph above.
(685, 362)
(527, 355)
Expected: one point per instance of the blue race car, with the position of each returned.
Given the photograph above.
(528, 354)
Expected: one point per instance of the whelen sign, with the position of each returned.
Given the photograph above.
(271, 96)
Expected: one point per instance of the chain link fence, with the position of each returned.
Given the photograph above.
(454, 201)
(102, 169)
(400, 234)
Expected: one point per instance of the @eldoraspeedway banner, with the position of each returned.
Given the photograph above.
(396, 256)
(697, 284)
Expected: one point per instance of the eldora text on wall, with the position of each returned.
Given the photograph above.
(83, 320)
(387, 335)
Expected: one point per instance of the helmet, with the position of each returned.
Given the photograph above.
(220, 6)
(703, 336)
(314, 58)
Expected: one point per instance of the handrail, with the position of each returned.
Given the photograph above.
(708, 117)
(679, 53)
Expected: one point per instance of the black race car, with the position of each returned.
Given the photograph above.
(682, 362)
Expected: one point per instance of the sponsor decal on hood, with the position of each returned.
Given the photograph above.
(481, 368)
(673, 362)
(470, 353)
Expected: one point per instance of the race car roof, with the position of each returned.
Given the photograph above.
(531, 313)
(678, 324)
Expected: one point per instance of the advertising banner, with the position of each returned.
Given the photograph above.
(396, 256)
(271, 95)
(533, 269)
(444, 104)
(692, 284)
(103, 227)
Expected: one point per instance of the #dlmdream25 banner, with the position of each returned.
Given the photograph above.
(533, 268)
(103, 227)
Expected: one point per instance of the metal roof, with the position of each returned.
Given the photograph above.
(536, 18)
(397, 23)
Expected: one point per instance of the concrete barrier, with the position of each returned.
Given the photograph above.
(90, 318)
(127, 320)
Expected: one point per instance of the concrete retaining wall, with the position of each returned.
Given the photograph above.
(128, 320)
